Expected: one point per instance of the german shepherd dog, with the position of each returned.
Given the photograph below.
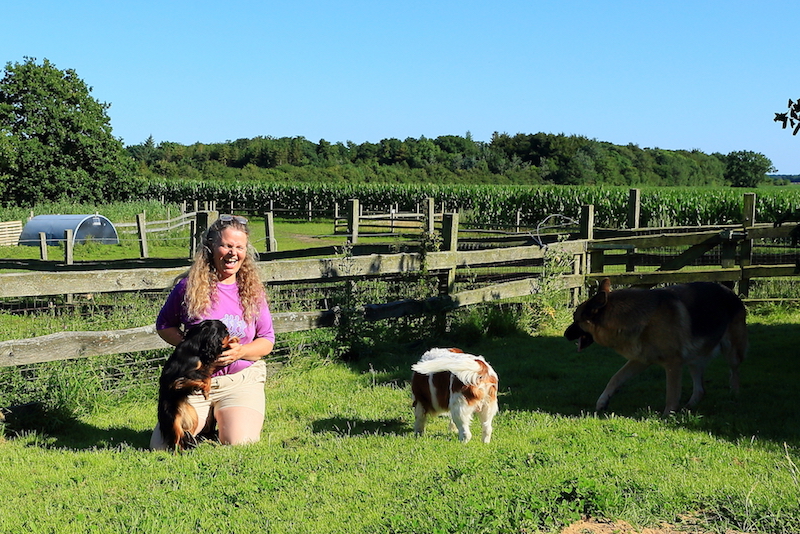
(674, 326)
(188, 371)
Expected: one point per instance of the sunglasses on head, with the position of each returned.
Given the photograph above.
(236, 218)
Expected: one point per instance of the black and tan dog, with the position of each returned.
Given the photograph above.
(678, 325)
(188, 371)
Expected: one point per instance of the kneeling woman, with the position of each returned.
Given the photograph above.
(223, 283)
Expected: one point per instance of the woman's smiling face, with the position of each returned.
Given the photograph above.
(229, 252)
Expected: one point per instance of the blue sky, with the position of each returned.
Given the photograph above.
(672, 74)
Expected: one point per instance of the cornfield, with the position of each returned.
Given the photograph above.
(499, 205)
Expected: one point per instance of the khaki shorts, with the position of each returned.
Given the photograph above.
(245, 388)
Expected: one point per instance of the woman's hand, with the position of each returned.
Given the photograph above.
(253, 351)
(235, 351)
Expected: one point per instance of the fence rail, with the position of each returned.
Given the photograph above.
(185, 219)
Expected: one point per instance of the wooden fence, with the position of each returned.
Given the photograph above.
(10, 232)
(593, 253)
(68, 345)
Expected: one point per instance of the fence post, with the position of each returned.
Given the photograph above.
(450, 231)
(728, 255)
(596, 260)
(354, 211)
(192, 237)
(746, 250)
(430, 216)
(578, 267)
(447, 278)
(449, 244)
(43, 246)
(634, 208)
(68, 255)
(68, 247)
(141, 226)
(201, 223)
(587, 222)
(269, 228)
(634, 211)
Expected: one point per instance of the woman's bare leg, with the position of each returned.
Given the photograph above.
(238, 425)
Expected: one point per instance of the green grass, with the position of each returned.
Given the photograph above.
(110, 311)
(291, 234)
(338, 455)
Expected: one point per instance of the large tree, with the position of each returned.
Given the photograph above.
(55, 139)
(745, 168)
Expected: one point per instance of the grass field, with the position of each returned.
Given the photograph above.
(337, 453)
(290, 234)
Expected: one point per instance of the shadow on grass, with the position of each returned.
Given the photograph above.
(83, 436)
(547, 374)
(359, 427)
(63, 431)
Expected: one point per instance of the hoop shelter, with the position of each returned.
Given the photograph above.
(84, 227)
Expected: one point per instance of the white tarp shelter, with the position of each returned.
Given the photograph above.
(84, 227)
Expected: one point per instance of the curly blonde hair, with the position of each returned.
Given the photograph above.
(201, 283)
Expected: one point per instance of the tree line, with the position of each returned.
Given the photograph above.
(521, 159)
(56, 143)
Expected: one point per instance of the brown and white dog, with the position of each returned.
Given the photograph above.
(451, 380)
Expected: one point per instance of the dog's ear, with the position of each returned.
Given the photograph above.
(605, 286)
(596, 303)
(212, 334)
(600, 299)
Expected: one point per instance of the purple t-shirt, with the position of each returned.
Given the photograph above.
(225, 307)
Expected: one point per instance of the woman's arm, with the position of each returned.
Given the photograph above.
(172, 335)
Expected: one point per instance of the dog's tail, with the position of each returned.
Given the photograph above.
(177, 421)
(470, 370)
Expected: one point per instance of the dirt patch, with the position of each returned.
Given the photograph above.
(600, 526)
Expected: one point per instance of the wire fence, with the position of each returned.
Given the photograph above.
(138, 371)
(118, 375)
